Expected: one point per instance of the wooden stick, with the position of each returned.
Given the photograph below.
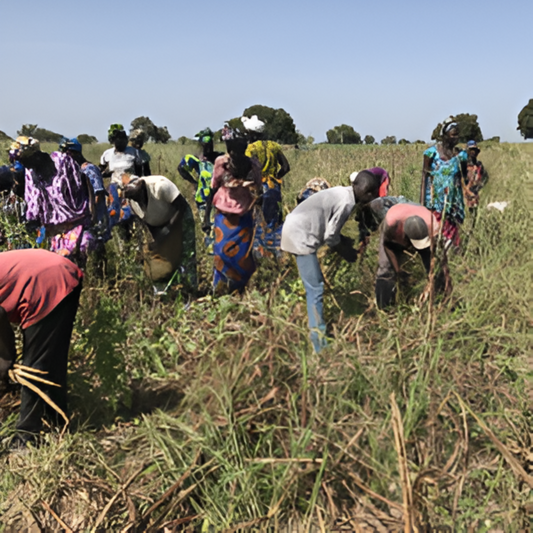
(112, 500)
(57, 517)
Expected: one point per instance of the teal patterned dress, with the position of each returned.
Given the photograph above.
(447, 186)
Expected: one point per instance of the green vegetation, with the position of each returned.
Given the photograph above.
(41, 134)
(343, 134)
(279, 125)
(525, 120)
(215, 415)
(469, 129)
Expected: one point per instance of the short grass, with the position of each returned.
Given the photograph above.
(215, 415)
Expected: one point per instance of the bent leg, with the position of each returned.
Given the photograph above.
(385, 278)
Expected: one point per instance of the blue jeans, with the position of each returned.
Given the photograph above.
(313, 281)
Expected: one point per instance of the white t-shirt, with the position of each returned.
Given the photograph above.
(161, 193)
(120, 163)
(317, 221)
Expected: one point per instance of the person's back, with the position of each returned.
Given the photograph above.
(317, 221)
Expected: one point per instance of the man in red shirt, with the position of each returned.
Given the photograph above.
(39, 290)
(405, 227)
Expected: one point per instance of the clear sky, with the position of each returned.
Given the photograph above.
(385, 67)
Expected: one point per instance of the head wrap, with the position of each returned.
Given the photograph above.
(353, 175)
(317, 184)
(253, 124)
(205, 136)
(66, 144)
(227, 133)
(113, 130)
(22, 144)
(447, 125)
(138, 135)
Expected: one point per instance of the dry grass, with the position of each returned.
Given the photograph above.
(214, 415)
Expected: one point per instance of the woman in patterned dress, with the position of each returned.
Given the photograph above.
(442, 182)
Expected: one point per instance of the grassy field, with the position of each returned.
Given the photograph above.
(215, 415)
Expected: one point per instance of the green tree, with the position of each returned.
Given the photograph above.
(390, 139)
(85, 138)
(343, 134)
(27, 130)
(404, 141)
(154, 133)
(4, 137)
(468, 126)
(525, 121)
(369, 139)
(41, 134)
(279, 125)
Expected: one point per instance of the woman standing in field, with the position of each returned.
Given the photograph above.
(442, 188)
(57, 197)
(236, 178)
(274, 166)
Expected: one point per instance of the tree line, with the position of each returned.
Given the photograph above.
(280, 127)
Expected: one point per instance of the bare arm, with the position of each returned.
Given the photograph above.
(425, 176)
(284, 165)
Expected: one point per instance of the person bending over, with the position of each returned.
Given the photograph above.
(40, 291)
(318, 221)
(158, 203)
(406, 227)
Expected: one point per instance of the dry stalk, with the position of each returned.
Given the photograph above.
(18, 375)
(516, 467)
(407, 491)
(57, 517)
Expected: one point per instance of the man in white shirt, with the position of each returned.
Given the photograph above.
(158, 203)
(316, 222)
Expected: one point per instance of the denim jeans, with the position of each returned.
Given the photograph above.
(313, 281)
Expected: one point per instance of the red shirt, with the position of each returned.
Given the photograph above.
(33, 283)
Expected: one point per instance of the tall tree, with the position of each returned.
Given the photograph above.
(343, 134)
(85, 138)
(279, 125)
(525, 121)
(41, 134)
(390, 139)
(369, 139)
(469, 129)
(154, 133)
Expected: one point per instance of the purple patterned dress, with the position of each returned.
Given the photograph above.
(61, 204)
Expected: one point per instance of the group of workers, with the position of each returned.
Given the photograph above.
(239, 202)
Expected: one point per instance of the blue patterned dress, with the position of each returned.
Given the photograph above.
(447, 186)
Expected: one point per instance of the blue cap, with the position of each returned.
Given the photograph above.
(69, 144)
(471, 144)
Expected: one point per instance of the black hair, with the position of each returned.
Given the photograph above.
(365, 182)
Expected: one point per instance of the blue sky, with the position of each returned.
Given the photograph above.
(385, 67)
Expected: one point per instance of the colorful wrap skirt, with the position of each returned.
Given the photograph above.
(118, 208)
(74, 244)
(234, 262)
(450, 230)
(268, 222)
